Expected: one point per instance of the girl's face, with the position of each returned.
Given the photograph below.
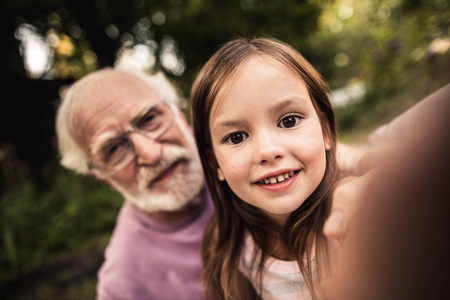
(267, 138)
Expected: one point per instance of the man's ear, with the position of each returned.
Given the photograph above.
(212, 162)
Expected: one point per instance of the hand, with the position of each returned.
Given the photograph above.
(358, 160)
(347, 197)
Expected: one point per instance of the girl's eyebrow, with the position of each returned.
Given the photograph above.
(227, 123)
(291, 101)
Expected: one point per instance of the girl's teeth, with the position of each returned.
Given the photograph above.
(278, 179)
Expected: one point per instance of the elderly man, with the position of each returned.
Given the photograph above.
(125, 128)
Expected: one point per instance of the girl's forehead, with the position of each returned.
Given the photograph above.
(264, 62)
(259, 81)
(258, 65)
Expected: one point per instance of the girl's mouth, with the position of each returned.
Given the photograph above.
(277, 179)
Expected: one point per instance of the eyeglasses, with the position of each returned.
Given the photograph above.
(118, 152)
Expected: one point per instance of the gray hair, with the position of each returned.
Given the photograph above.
(72, 155)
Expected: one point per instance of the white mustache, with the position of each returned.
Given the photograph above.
(170, 155)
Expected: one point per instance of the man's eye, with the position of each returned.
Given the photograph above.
(236, 138)
(114, 152)
(149, 121)
(289, 122)
(148, 118)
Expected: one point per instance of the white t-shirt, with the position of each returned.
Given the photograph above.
(282, 279)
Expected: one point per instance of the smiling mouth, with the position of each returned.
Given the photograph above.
(167, 173)
(277, 179)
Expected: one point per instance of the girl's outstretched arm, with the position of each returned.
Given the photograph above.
(423, 119)
(398, 242)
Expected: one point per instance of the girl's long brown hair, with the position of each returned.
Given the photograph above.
(224, 236)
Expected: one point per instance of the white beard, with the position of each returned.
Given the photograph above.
(177, 191)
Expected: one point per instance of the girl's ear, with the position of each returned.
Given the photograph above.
(220, 175)
(327, 139)
(326, 132)
(327, 142)
(212, 162)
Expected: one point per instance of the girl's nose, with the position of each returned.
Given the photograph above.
(267, 149)
(148, 151)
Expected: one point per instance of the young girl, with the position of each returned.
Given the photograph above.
(266, 135)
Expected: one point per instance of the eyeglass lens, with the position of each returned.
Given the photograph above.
(119, 151)
(155, 121)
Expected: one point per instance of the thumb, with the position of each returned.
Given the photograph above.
(335, 224)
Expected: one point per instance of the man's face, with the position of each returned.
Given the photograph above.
(166, 173)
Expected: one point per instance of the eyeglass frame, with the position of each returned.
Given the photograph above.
(126, 135)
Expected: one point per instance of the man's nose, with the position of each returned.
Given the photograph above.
(148, 151)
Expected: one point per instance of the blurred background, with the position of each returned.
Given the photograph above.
(378, 56)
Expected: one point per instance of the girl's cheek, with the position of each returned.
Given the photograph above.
(239, 171)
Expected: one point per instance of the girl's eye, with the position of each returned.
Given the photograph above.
(289, 122)
(236, 138)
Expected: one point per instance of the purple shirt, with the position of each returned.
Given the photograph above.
(147, 259)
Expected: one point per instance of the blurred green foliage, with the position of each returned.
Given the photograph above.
(39, 223)
(390, 47)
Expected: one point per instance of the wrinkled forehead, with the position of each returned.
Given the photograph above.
(117, 90)
(109, 103)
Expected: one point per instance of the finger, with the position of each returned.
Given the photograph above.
(335, 225)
